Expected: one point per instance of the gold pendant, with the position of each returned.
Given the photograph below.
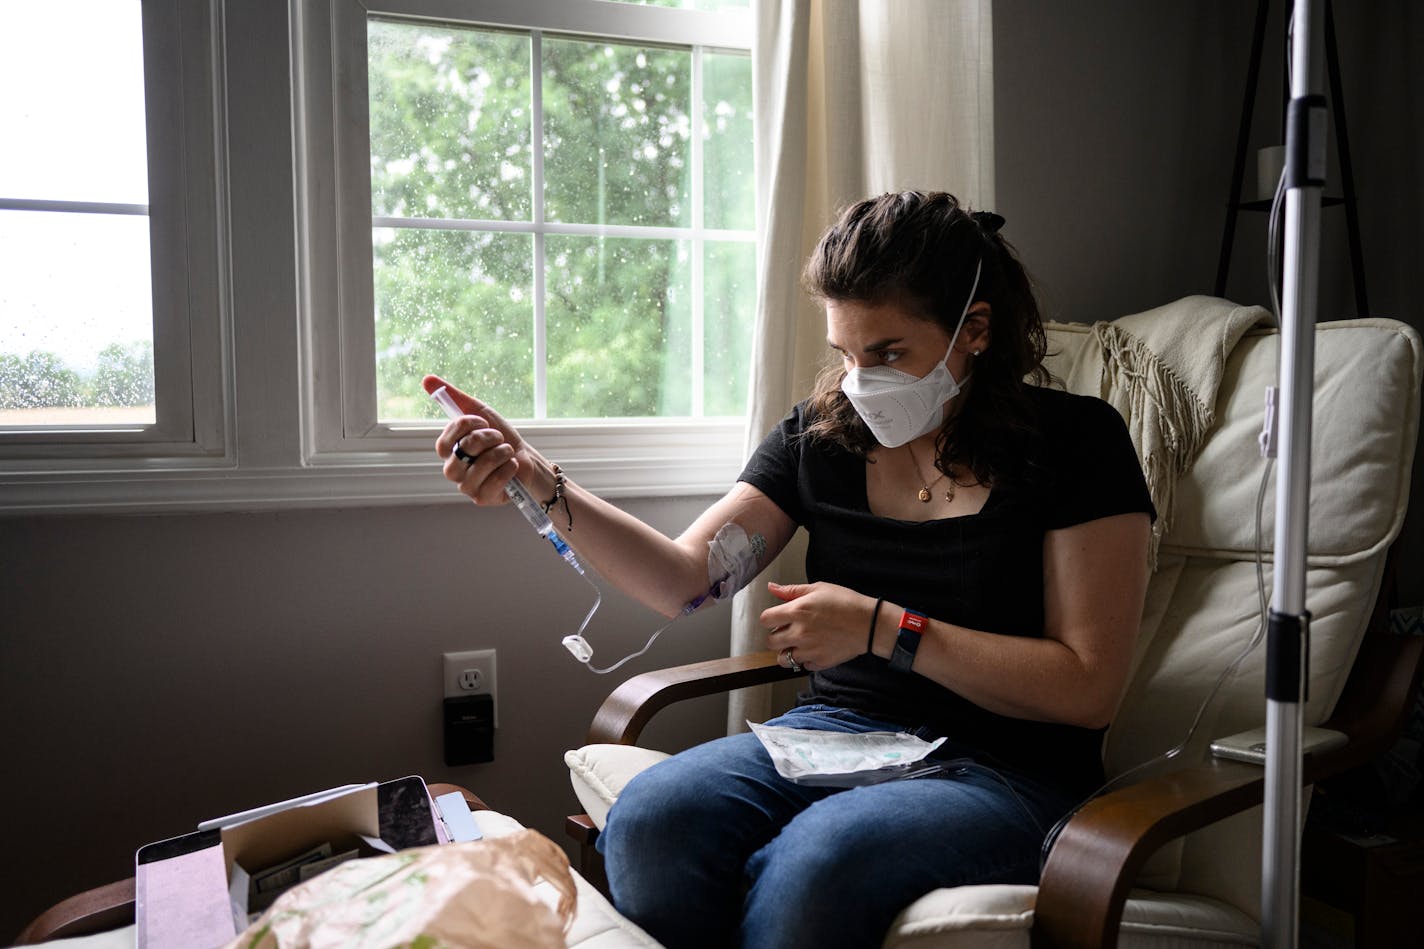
(925, 495)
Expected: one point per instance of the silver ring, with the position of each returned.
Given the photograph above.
(790, 658)
(463, 456)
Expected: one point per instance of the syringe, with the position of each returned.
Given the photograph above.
(534, 514)
(519, 494)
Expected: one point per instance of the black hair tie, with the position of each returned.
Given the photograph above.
(988, 221)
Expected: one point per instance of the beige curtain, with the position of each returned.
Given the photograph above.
(854, 97)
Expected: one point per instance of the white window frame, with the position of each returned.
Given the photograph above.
(191, 372)
(643, 457)
(258, 311)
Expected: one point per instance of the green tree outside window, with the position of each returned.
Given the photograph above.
(452, 156)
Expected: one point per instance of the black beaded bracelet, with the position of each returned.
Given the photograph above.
(559, 496)
(870, 638)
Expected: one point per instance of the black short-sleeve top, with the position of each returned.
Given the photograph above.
(983, 571)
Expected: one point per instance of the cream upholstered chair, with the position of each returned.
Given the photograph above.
(1173, 859)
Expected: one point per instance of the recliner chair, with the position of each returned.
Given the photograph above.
(1173, 859)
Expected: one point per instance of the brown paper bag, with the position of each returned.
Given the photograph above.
(475, 894)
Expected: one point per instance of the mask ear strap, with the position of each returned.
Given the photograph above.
(978, 269)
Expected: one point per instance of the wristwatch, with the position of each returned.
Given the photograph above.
(907, 640)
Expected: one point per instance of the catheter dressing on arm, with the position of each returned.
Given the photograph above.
(729, 559)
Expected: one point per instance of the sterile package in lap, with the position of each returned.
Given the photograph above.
(841, 759)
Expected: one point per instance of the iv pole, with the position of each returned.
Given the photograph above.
(1287, 647)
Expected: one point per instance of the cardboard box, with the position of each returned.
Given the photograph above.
(195, 891)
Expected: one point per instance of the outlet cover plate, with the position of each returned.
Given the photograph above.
(471, 672)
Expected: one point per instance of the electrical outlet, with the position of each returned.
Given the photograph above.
(471, 673)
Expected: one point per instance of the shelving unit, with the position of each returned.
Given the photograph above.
(1235, 205)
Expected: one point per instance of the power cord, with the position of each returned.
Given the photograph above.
(1268, 449)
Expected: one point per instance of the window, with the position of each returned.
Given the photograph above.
(550, 204)
(308, 230)
(98, 336)
(72, 351)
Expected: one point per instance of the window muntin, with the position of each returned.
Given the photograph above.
(607, 315)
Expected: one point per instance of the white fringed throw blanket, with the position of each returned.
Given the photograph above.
(1161, 370)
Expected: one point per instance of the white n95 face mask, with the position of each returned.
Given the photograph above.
(898, 407)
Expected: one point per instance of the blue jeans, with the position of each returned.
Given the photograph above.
(713, 848)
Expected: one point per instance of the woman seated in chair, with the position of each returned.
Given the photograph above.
(977, 563)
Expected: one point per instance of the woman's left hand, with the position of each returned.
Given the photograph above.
(822, 624)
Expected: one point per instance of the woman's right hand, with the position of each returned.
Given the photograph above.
(498, 450)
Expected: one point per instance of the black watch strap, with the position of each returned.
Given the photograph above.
(907, 640)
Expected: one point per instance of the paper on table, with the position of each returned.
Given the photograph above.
(810, 756)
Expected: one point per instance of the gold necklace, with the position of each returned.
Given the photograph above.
(924, 493)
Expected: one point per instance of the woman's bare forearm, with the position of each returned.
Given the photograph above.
(661, 572)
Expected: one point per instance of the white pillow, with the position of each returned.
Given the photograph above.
(600, 772)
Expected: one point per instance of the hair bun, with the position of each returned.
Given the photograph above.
(988, 220)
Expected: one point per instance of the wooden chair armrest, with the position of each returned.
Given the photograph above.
(621, 718)
(94, 911)
(1097, 857)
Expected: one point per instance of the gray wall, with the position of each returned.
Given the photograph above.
(1115, 129)
(158, 670)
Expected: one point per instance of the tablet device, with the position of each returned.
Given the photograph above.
(1250, 746)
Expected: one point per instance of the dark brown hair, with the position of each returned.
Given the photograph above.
(919, 251)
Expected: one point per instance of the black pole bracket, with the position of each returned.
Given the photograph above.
(1288, 657)
(1307, 121)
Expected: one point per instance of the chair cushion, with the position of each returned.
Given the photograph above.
(967, 917)
(1362, 438)
(1000, 917)
(600, 772)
